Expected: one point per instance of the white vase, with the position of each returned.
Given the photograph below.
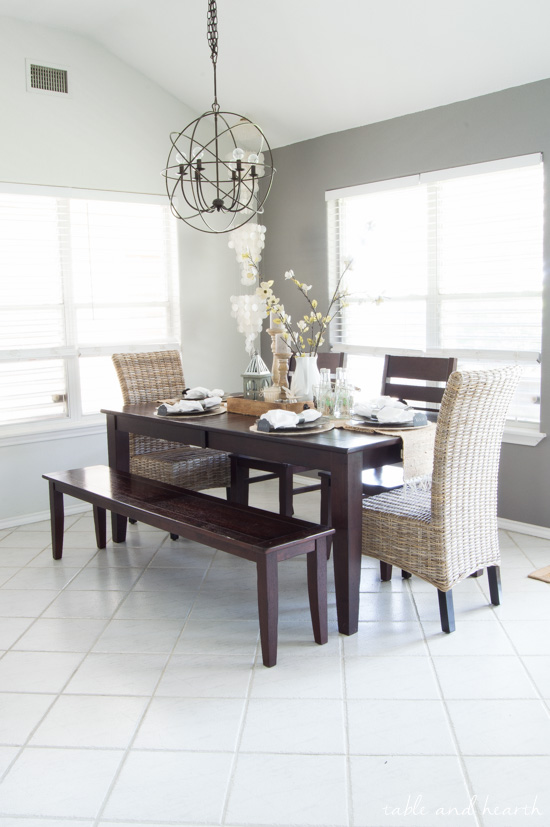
(305, 376)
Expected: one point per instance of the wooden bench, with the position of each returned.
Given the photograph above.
(252, 533)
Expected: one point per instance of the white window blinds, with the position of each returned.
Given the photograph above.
(446, 263)
(80, 278)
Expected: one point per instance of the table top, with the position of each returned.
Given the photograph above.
(337, 440)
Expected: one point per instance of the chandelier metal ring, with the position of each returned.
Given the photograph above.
(219, 170)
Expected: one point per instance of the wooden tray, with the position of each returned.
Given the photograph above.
(256, 407)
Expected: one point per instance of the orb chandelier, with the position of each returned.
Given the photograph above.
(219, 169)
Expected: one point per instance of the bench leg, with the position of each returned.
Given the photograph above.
(317, 589)
(100, 525)
(118, 527)
(268, 607)
(57, 520)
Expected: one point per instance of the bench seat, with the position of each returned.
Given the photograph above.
(252, 533)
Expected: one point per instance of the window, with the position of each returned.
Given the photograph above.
(445, 263)
(81, 278)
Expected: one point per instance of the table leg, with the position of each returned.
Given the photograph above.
(346, 519)
(118, 447)
(57, 514)
(238, 491)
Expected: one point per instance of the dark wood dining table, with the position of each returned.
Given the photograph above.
(343, 453)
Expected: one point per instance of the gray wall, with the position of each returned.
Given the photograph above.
(513, 122)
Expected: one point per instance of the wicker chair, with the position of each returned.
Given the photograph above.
(445, 535)
(148, 377)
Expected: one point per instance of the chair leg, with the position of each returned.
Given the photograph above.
(317, 590)
(477, 573)
(286, 484)
(385, 571)
(446, 610)
(132, 522)
(100, 525)
(495, 590)
(405, 574)
(326, 510)
(268, 607)
(174, 536)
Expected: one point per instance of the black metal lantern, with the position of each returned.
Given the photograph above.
(219, 169)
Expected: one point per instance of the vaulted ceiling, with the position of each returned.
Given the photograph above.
(303, 68)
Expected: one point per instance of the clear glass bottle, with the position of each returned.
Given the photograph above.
(343, 396)
(326, 397)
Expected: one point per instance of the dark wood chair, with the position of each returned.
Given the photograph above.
(284, 472)
(418, 371)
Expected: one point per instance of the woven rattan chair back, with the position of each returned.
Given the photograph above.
(466, 458)
(149, 377)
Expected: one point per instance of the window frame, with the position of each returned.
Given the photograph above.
(517, 431)
(75, 420)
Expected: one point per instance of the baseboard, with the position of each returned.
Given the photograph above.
(39, 516)
(79, 508)
(524, 528)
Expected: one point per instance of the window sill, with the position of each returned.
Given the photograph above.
(516, 435)
(47, 432)
(64, 429)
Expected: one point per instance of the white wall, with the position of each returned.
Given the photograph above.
(110, 133)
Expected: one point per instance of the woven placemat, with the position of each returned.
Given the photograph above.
(418, 446)
(541, 574)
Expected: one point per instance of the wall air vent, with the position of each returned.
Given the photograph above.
(48, 78)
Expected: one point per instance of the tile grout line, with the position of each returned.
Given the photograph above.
(237, 749)
(23, 746)
(348, 757)
(152, 695)
(459, 755)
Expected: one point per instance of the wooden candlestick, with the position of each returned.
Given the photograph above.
(281, 357)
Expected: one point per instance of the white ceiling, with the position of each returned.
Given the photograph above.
(303, 68)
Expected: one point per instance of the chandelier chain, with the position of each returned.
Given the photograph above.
(218, 162)
(212, 30)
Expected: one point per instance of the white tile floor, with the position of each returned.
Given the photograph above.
(132, 692)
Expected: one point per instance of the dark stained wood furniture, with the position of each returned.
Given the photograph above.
(285, 472)
(343, 453)
(260, 536)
